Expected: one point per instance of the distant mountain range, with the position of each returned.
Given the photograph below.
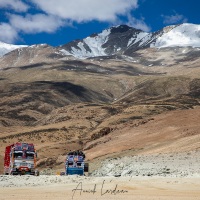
(124, 40)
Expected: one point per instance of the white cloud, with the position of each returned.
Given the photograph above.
(7, 33)
(59, 13)
(87, 10)
(35, 23)
(173, 19)
(16, 5)
(138, 23)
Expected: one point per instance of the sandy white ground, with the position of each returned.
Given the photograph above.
(73, 187)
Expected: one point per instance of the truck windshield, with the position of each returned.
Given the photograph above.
(18, 155)
(29, 155)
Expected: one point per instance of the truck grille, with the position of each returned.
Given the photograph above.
(27, 165)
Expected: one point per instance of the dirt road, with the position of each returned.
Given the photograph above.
(90, 188)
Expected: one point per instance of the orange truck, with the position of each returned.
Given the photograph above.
(20, 159)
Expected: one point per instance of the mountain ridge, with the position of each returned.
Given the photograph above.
(123, 40)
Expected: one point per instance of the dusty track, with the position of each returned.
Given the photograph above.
(130, 189)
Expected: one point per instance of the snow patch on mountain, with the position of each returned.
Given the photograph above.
(6, 48)
(93, 44)
(96, 42)
(136, 39)
(38, 45)
(146, 39)
(66, 53)
(182, 35)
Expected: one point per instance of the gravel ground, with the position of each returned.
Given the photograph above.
(165, 165)
(177, 165)
(42, 180)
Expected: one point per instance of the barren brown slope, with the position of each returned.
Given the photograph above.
(169, 132)
(105, 135)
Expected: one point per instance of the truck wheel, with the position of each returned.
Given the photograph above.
(86, 167)
(23, 173)
(37, 173)
(14, 173)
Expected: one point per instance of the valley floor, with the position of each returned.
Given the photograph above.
(151, 176)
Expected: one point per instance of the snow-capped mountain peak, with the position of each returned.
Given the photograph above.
(92, 46)
(123, 39)
(6, 48)
(88, 47)
(182, 35)
(108, 42)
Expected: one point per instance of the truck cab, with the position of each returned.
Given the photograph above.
(75, 164)
(20, 158)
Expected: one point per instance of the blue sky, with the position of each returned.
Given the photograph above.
(57, 22)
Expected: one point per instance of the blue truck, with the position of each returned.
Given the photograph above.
(75, 164)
